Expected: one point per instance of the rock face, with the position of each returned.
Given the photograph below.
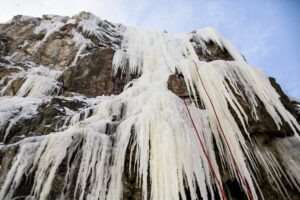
(80, 58)
(94, 76)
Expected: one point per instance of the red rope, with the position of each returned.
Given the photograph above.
(212, 105)
(204, 151)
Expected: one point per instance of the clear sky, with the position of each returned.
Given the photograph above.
(265, 31)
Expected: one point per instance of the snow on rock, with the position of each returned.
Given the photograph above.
(80, 42)
(297, 102)
(85, 29)
(39, 81)
(210, 34)
(104, 31)
(48, 27)
(13, 109)
(89, 25)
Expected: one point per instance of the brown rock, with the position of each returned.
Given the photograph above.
(93, 75)
(4, 43)
(213, 52)
(49, 118)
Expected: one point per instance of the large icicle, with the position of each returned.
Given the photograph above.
(148, 112)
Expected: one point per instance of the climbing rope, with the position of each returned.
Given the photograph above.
(212, 105)
(201, 143)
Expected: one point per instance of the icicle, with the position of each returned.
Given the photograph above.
(81, 42)
(89, 25)
(210, 34)
(40, 81)
(21, 164)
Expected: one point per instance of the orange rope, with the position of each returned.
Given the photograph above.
(204, 151)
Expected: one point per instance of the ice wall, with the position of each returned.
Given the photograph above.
(153, 124)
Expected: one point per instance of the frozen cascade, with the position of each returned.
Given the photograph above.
(173, 143)
(38, 83)
(145, 51)
(154, 124)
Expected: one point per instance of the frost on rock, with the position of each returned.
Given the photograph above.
(81, 42)
(210, 34)
(48, 27)
(39, 81)
(90, 25)
(152, 123)
(13, 109)
(85, 29)
(106, 32)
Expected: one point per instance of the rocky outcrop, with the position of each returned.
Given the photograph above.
(49, 117)
(212, 52)
(94, 75)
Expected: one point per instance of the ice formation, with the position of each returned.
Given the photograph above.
(154, 125)
(81, 42)
(12, 109)
(38, 82)
(90, 26)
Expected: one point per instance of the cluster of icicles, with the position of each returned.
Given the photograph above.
(155, 127)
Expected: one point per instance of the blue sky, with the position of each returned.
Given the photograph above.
(265, 31)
